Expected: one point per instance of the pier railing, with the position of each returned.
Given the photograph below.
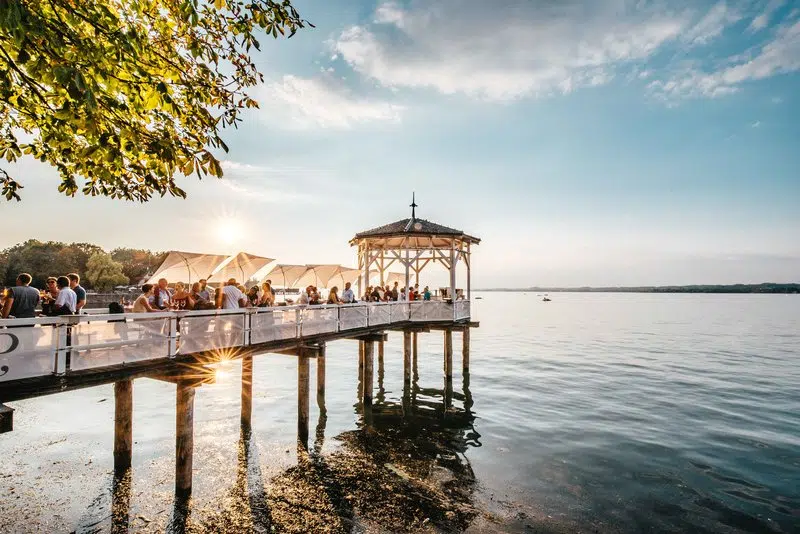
(58, 345)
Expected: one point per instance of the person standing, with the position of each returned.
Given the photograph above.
(80, 293)
(230, 297)
(66, 300)
(203, 291)
(21, 300)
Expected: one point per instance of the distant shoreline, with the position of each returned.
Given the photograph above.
(731, 288)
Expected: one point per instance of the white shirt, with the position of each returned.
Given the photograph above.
(347, 296)
(230, 297)
(303, 299)
(67, 297)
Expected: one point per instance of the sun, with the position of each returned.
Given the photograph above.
(228, 230)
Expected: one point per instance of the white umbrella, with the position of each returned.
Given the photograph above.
(285, 275)
(241, 267)
(187, 267)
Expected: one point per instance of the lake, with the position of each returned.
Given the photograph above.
(596, 412)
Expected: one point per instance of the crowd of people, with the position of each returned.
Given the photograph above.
(389, 294)
(63, 295)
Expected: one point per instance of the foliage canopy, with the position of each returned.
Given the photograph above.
(103, 272)
(125, 94)
(53, 258)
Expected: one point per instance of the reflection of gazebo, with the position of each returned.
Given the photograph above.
(413, 243)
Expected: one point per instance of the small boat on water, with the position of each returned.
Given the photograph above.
(546, 299)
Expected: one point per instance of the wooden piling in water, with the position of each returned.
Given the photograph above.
(465, 348)
(184, 437)
(302, 399)
(123, 425)
(369, 352)
(448, 353)
(406, 356)
(247, 391)
(321, 377)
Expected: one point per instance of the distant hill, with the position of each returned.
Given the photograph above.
(733, 288)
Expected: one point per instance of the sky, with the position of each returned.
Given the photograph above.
(596, 142)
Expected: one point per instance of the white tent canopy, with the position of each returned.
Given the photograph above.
(346, 274)
(187, 267)
(285, 275)
(241, 267)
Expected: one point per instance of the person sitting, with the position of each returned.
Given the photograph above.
(21, 299)
(305, 297)
(182, 299)
(230, 297)
(267, 298)
(161, 299)
(314, 297)
(252, 296)
(142, 303)
(376, 294)
(427, 294)
(333, 296)
(66, 299)
(348, 297)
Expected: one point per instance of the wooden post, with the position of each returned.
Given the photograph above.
(406, 356)
(247, 391)
(465, 348)
(415, 344)
(368, 361)
(184, 438)
(380, 366)
(321, 378)
(123, 425)
(302, 399)
(448, 354)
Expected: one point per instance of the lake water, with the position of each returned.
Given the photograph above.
(590, 413)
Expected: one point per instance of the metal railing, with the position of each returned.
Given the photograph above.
(57, 345)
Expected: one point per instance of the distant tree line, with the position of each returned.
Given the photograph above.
(99, 270)
(768, 287)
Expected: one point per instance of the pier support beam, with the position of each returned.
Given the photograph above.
(369, 353)
(406, 356)
(302, 400)
(465, 348)
(247, 391)
(123, 425)
(321, 379)
(184, 437)
(448, 354)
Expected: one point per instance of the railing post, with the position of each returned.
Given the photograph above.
(172, 345)
(61, 348)
(247, 313)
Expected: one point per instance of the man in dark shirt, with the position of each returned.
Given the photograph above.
(22, 301)
(75, 285)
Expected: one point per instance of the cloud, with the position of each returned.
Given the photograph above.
(762, 20)
(711, 25)
(276, 183)
(755, 124)
(780, 55)
(507, 49)
(321, 103)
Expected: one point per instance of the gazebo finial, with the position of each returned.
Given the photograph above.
(413, 205)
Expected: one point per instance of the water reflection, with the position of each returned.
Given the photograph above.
(404, 468)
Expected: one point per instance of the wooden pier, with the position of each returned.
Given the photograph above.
(114, 363)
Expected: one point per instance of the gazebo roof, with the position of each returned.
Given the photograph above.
(414, 226)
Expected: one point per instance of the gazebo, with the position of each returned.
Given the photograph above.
(413, 243)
